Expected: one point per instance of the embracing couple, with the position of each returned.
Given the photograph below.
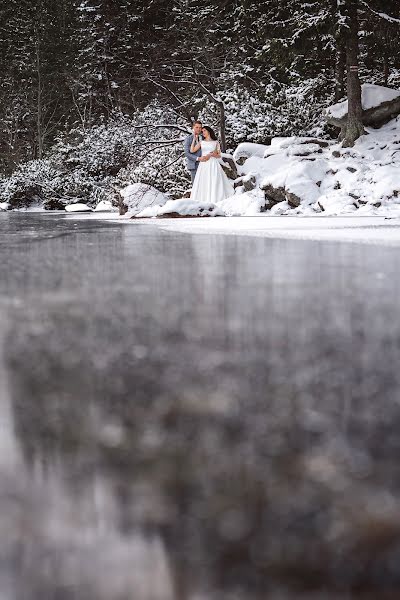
(202, 152)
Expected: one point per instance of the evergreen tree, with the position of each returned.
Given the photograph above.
(79, 61)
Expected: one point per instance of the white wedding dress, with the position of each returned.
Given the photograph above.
(210, 184)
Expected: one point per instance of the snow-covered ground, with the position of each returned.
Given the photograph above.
(364, 180)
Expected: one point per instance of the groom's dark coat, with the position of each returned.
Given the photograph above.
(191, 162)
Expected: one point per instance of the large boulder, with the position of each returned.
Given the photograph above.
(137, 197)
(380, 104)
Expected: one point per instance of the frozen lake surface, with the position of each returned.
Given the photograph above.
(188, 416)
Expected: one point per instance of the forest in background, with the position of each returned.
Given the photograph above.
(100, 93)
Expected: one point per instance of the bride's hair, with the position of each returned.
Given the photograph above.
(212, 133)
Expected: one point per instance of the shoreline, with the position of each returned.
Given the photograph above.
(362, 229)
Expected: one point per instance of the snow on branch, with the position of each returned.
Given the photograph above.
(163, 142)
(382, 15)
(149, 125)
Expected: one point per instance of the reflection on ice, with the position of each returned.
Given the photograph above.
(197, 417)
(61, 544)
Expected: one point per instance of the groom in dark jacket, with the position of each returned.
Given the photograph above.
(192, 161)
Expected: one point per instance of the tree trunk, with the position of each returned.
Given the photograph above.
(340, 63)
(39, 107)
(340, 51)
(354, 127)
(385, 67)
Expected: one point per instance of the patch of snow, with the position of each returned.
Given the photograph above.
(105, 206)
(184, 207)
(245, 204)
(371, 95)
(78, 207)
(302, 149)
(4, 205)
(252, 165)
(285, 142)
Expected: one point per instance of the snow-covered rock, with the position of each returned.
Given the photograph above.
(105, 206)
(139, 196)
(379, 105)
(184, 207)
(247, 182)
(4, 205)
(299, 183)
(78, 207)
(371, 96)
(247, 149)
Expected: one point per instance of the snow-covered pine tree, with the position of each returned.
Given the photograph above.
(269, 65)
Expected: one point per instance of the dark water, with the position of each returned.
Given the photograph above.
(196, 417)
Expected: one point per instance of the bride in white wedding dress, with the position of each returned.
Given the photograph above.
(210, 184)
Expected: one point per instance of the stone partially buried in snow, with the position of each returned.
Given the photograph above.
(294, 181)
(78, 207)
(380, 104)
(139, 196)
(181, 208)
(247, 149)
(304, 149)
(228, 165)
